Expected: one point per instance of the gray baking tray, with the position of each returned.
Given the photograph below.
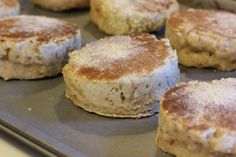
(229, 5)
(37, 112)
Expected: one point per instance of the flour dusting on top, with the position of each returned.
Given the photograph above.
(213, 102)
(44, 28)
(107, 50)
(113, 57)
(215, 93)
(34, 24)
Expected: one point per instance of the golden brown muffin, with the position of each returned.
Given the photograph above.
(121, 76)
(198, 119)
(131, 16)
(35, 47)
(204, 38)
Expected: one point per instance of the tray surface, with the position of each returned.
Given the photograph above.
(38, 110)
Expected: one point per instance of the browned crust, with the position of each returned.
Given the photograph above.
(179, 105)
(22, 27)
(9, 3)
(153, 55)
(218, 22)
(153, 5)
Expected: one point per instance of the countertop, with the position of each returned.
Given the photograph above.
(10, 147)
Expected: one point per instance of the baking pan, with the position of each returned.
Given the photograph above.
(37, 112)
(229, 5)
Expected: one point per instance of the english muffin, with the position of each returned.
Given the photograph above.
(198, 119)
(9, 8)
(61, 5)
(35, 47)
(204, 38)
(131, 16)
(121, 76)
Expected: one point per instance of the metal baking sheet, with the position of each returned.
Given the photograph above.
(38, 113)
(229, 5)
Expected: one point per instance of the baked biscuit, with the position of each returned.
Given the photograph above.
(121, 76)
(35, 47)
(198, 119)
(131, 16)
(204, 38)
(61, 5)
(9, 8)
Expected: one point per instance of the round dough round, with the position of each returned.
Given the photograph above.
(35, 47)
(198, 119)
(204, 38)
(121, 76)
(131, 16)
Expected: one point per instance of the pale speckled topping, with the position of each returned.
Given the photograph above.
(42, 28)
(200, 104)
(8, 3)
(217, 22)
(100, 52)
(112, 57)
(144, 5)
(152, 5)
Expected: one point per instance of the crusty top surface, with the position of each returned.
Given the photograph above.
(42, 28)
(143, 6)
(8, 3)
(200, 105)
(113, 57)
(152, 5)
(218, 22)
